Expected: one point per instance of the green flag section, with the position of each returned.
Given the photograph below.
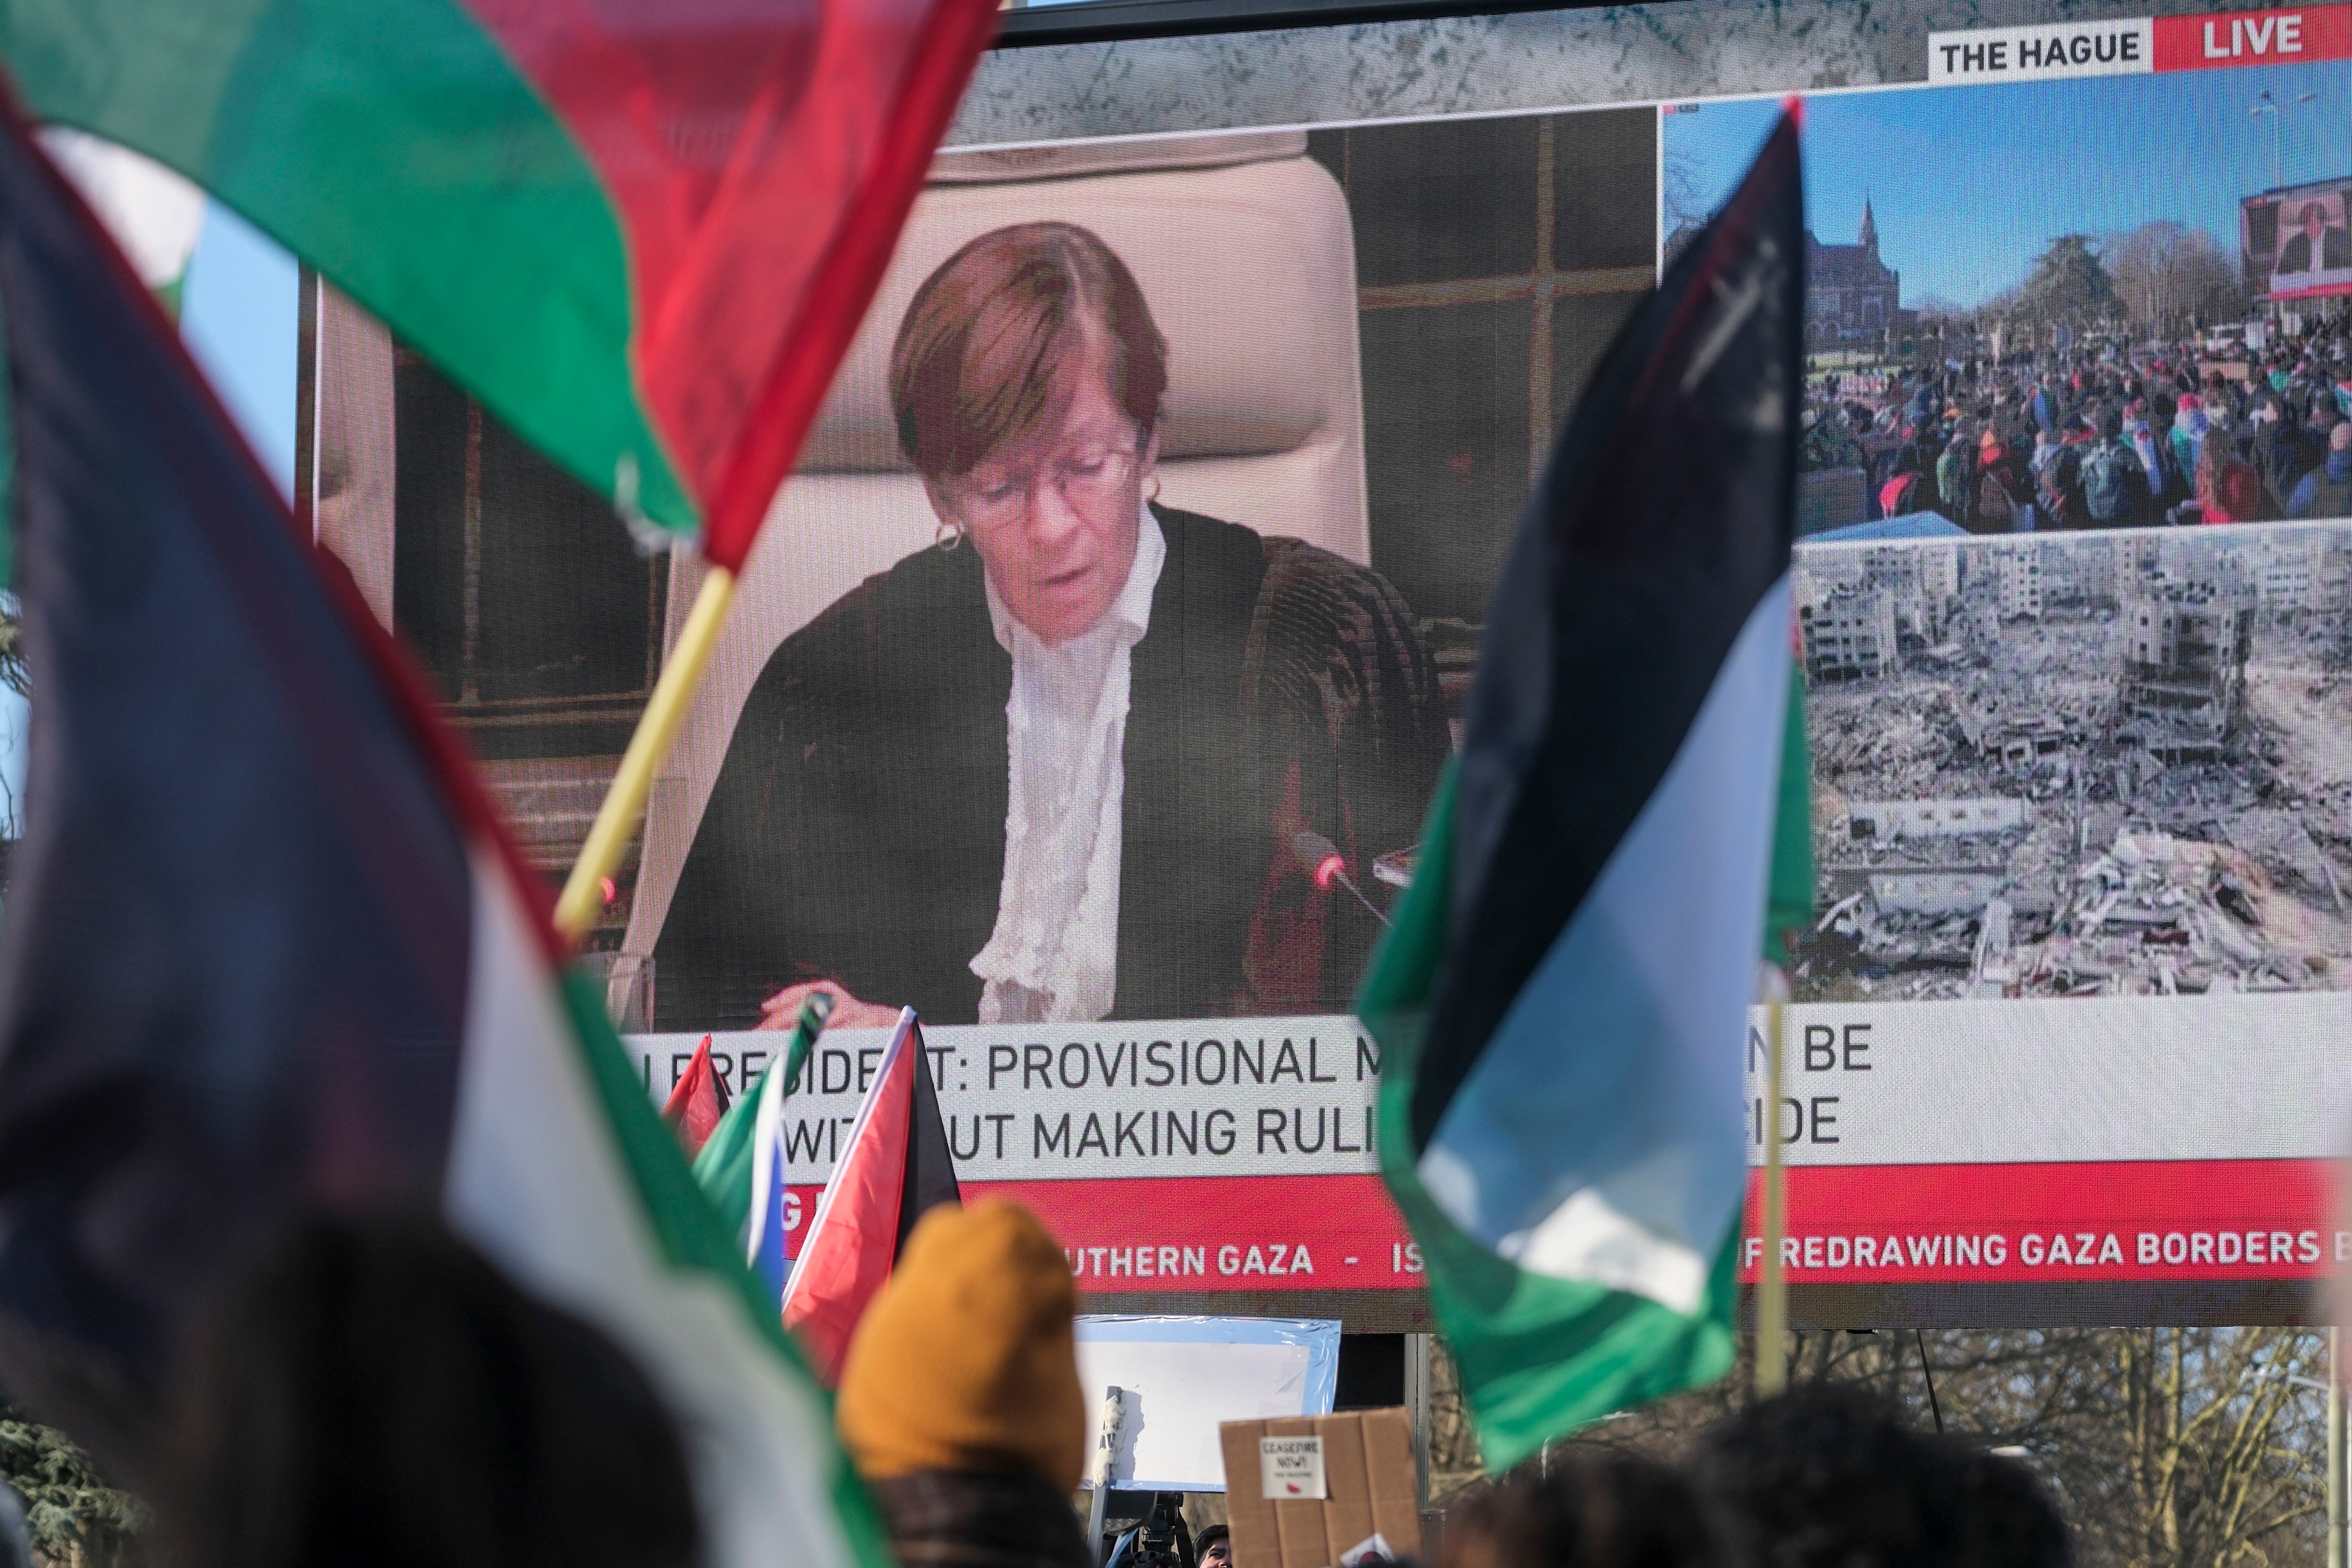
(1562, 1004)
(727, 1169)
(1788, 901)
(641, 232)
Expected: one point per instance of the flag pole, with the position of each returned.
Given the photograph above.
(625, 801)
(1771, 1280)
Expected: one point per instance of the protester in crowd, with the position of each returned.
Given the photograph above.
(2059, 495)
(1583, 1507)
(2227, 488)
(2326, 490)
(1213, 1548)
(2003, 488)
(1956, 477)
(1906, 491)
(371, 1392)
(2284, 451)
(2189, 427)
(2166, 488)
(960, 1401)
(2113, 487)
(1828, 1477)
(2045, 452)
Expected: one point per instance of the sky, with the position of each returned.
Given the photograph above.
(240, 315)
(1969, 184)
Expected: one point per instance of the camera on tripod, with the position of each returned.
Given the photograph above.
(1157, 1540)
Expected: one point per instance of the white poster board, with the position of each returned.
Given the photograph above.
(1184, 1375)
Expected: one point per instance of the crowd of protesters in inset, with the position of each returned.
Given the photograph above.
(2120, 437)
(373, 1391)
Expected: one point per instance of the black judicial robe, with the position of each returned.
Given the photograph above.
(856, 830)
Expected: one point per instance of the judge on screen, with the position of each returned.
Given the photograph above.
(2316, 246)
(1051, 769)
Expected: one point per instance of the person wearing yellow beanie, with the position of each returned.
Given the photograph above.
(960, 1401)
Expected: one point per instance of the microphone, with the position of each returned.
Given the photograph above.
(1321, 860)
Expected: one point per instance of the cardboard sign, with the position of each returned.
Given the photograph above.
(1368, 1487)
(1291, 1467)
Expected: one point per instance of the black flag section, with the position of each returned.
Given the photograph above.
(1661, 521)
(930, 1178)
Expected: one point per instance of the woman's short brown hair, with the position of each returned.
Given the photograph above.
(994, 338)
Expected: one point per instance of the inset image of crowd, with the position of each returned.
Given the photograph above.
(2110, 434)
(2097, 765)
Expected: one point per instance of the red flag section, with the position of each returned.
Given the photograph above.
(761, 156)
(698, 1102)
(895, 1166)
(2253, 38)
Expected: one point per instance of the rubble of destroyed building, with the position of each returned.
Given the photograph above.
(2080, 764)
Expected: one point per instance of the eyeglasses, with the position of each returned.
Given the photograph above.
(1087, 480)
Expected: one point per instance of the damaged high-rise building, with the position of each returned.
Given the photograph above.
(1849, 635)
(2184, 666)
(2017, 566)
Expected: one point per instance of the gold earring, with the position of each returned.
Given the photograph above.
(948, 535)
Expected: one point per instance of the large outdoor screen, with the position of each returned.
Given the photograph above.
(1118, 800)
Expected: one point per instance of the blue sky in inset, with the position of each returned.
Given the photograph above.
(1970, 184)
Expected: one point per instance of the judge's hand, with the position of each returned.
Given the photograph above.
(782, 1010)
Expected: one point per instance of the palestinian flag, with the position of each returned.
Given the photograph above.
(894, 1168)
(642, 232)
(266, 948)
(699, 1103)
(1562, 1004)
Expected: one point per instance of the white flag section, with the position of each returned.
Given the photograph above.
(1600, 1135)
(764, 1237)
(540, 1181)
(152, 212)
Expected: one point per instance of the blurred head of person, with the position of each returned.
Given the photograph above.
(13, 1550)
(1214, 1547)
(960, 1401)
(1824, 1477)
(370, 1391)
(1588, 1508)
(1026, 381)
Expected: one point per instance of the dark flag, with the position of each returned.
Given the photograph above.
(894, 1166)
(1563, 1001)
(267, 949)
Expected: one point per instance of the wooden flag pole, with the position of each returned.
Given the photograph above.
(1771, 1280)
(625, 801)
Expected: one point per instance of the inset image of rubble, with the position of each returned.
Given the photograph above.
(2080, 764)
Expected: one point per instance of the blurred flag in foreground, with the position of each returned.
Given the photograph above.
(1563, 1003)
(893, 1167)
(267, 947)
(642, 232)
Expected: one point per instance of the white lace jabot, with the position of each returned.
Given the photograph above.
(1054, 955)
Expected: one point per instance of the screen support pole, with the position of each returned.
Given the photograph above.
(1771, 1281)
(625, 801)
(2335, 1449)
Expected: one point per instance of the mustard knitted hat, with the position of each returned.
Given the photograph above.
(967, 1360)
